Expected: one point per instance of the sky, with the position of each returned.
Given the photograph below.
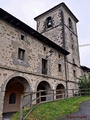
(27, 10)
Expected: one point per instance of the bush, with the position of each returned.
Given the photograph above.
(84, 85)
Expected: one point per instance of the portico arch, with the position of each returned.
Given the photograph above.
(59, 91)
(43, 85)
(15, 87)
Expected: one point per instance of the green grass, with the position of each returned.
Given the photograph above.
(16, 116)
(53, 110)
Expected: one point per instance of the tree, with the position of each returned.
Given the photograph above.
(84, 84)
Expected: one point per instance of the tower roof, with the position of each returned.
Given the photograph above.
(56, 7)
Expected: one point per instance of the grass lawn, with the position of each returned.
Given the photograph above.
(53, 110)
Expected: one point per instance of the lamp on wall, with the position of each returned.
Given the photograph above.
(50, 53)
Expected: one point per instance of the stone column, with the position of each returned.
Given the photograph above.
(1, 104)
(0, 113)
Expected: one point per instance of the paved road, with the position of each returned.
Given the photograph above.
(82, 114)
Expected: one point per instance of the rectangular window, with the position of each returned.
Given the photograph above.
(12, 98)
(72, 47)
(59, 56)
(21, 54)
(73, 61)
(71, 35)
(44, 66)
(22, 37)
(74, 73)
(59, 67)
(44, 48)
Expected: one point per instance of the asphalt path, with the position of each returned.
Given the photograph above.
(82, 114)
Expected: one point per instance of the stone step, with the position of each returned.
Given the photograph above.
(7, 116)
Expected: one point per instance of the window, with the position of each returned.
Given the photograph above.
(74, 73)
(70, 23)
(12, 98)
(49, 22)
(59, 67)
(44, 66)
(44, 48)
(21, 54)
(22, 37)
(59, 56)
(72, 47)
(73, 61)
(71, 35)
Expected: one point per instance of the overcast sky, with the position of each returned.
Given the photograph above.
(26, 10)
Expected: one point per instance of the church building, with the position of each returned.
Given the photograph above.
(42, 59)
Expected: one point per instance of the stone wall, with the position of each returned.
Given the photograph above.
(34, 52)
(33, 81)
(61, 34)
(53, 34)
(31, 67)
(71, 44)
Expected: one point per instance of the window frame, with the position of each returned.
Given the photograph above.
(74, 73)
(12, 98)
(72, 47)
(44, 66)
(73, 61)
(59, 68)
(21, 54)
(59, 56)
(44, 48)
(70, 23)
(22, 37)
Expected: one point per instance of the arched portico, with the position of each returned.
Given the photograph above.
(15, 87)
(43, 85)
(59, 91)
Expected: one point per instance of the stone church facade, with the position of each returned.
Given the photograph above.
(33, 60)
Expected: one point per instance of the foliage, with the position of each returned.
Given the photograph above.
(55, 110)
(16, 116)
(84, 84)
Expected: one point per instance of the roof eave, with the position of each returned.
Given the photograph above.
(55, 7)
(20, 25)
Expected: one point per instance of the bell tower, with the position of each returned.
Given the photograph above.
(59, 25)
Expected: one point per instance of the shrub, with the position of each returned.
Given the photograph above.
(84, 85)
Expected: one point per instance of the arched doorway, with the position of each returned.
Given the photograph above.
(45, 87)
(60, 91)
(14, 89)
